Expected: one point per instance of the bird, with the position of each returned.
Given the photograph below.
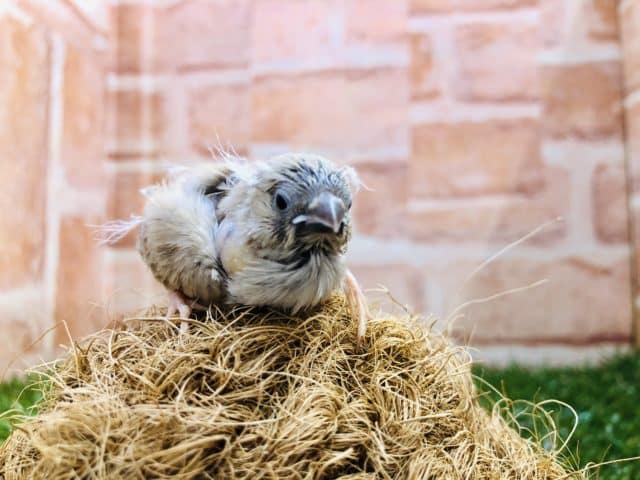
(265, 233)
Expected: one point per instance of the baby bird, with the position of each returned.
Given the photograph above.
(268, 233)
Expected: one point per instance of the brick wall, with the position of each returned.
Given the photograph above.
(52, 71)
(472, 121)
(629, 19)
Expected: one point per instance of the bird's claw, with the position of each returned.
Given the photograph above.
(178, 304)
(357, 304)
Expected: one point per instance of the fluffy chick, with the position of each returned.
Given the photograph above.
(268, 233)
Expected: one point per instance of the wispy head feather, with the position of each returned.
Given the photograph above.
(353, 179)
(223, 152)
(114, 231)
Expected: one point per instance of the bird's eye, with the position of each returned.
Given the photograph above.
(349, 204)
(281, 200)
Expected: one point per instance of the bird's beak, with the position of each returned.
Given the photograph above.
(325, 212)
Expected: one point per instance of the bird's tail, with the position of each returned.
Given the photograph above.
(114, 231)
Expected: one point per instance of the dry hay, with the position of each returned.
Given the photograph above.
(252, 393)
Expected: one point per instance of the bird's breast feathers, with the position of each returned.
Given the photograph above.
(296, 284)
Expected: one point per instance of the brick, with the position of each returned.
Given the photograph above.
(83, 126)
(405, 283)
(630, 33)
(124, 198)
(24, 100)
(220, 114)
(634, 213)
(424, 77)
(95, 12)
(380, 208)
(136, 122)
(552, 16)
(582, 101)
(78, 279)
(375, 20)
(201, 33)
(474, 158)
(632, 138)
(569, 308)
(474, 5)
(290, 30)
(497, 221)
(447, 6)
(578, 26)
(602, 18)
(133, 46)
(335, 112)
(180, 36)
(610, 205)
(497, 61)
(129, 286)
(62, 19)
(432, 6)
(22, 322)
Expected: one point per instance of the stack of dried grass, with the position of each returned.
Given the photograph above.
(251, 393)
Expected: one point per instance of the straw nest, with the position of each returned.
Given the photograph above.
(249, 393)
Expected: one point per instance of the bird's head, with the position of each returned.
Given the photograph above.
(304, 202)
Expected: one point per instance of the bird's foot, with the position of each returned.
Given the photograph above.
(357, 304)
(179, 305)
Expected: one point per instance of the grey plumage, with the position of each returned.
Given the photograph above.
(266, 233)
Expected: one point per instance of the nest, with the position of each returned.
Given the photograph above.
(253, 393)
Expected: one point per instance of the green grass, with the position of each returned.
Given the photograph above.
(606, 399)
(14, 395)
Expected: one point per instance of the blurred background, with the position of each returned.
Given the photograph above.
(471, 121)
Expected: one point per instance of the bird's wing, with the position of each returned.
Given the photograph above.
(178, 231)
(211, 180)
